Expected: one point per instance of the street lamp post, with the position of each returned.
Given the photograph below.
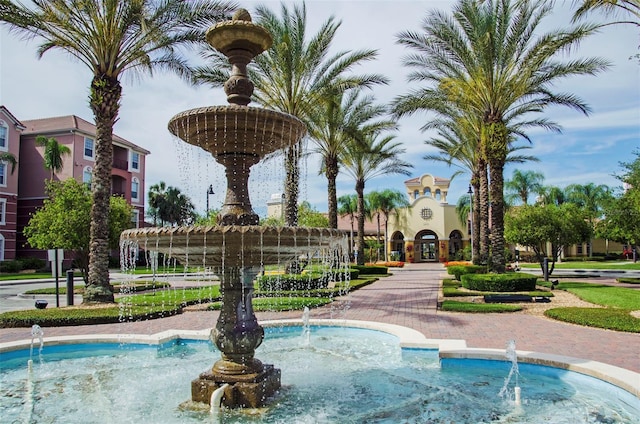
(470, 192)
(209, 193)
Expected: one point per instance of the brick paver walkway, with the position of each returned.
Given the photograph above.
(409, 298)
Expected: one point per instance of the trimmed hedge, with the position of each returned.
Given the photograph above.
(510, 282)
(371, 269)
(459, 270)
(308, 281)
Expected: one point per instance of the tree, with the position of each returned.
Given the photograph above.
(546, 229)
(487, 61)
(112, 38)
(370, 155)
(64, 219)
(294, 75)
(621, 217)
(169, 205)
(53, 153)
(383, 203)
(551, 195)
(522, 185)
(592, 199)
(332, 126)
(308, 216)
(348, 206)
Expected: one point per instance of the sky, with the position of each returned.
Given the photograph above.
(588, 150)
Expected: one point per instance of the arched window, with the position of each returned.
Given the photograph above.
(87, 174)
(437, 194)
(416, 194)
(135, 189)
(427, 191)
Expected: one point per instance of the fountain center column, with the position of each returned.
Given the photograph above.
(237, 204)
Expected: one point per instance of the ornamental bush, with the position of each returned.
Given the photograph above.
(371, 269)
(459, 270)
(510, 282)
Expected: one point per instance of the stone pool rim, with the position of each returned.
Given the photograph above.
(408, 339)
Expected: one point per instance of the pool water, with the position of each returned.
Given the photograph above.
(340, 375)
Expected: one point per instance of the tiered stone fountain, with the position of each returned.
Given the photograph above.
(238, 136)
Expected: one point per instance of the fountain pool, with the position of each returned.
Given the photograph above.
(341, 375)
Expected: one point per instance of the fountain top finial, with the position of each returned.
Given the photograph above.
(241, 15)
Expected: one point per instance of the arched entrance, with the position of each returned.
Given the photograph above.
(455, 243)
(426, 246)
(397, 245)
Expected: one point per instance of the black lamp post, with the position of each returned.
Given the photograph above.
(470, 192)
(209, 193)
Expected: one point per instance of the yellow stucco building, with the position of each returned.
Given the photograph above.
(429, 229)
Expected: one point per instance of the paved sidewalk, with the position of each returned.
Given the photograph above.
(409, 298)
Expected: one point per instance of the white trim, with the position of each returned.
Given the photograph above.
(135, 180)
(93, 148)
(4, 125)
(3, 211)
(131, 168)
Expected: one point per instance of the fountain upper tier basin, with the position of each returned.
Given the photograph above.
(236, 246)
(234, 129)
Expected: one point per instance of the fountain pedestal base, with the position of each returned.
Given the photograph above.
(244, 391)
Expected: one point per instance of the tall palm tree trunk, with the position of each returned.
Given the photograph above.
(475, 216)
(291, 185)
(495, 145)
(331, 166)
(105, 104)
(483, 213)
(360, 214)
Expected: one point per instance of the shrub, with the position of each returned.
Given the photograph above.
(457, 263)
(371, 269)
(293, 282)
(499, 282)
(33, 263)
(460, 270)
(11, 266)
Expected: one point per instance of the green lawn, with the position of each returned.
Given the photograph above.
(26, 276)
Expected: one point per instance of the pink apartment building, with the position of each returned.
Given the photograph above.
(10, 129)
(127, 175)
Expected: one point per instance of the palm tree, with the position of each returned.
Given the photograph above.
(348, 206)
(612, 8)
(383, 203)
(487, 62)
(552, 195)
(522, 185)
(158, 203)
(294, 76)
(113, 37)
(592, 199)
(369, 156)
(53, 153)
(331, 128)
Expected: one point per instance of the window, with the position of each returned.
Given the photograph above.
(135, 188)
(88, 148)
(437, 194)
(87, 175)
(579, 249)
(4, 136)
(135, 161)
(135, 218)
(427, 191)
(3, 211)
(1, 247)
(3, 174)
(416, 194)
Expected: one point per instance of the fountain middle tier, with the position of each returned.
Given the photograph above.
(235, 129)
(221, 246)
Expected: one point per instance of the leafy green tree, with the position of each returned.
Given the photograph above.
(546, 229)
(488, 61)
(294, 76)
(522, 185)
(592, 199)
(64, 219)
(383, 203)
(371, 155)
(621, 221)
(170, 206)
(53, 153)
(552, 195)
(113, 37)
(308, 216)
